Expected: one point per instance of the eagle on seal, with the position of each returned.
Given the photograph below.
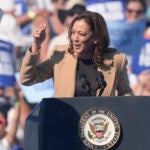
(98, 130)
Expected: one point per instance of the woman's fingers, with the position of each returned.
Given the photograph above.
(39, 33)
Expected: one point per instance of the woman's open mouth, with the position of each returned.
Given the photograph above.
(77, 46)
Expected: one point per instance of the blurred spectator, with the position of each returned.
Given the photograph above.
(7, 79)
(10, 31)
(20, 10)
(135, 9)
(17, 19)
(34, 12)
(42, 4)
(7, 138)
(25, 110)
(56, 27)
(2, 89)
(138, 10)
(71, 9)
(53, 25)
(7, 95)
(142, 88)
(148, 8)
(132, 77)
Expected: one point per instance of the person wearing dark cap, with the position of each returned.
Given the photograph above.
(72, 9)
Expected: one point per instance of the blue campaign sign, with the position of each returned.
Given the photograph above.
(141, 61)
(126, 37)
(109, 9)
(35, 93)
(7, 69)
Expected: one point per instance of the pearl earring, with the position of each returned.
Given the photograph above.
(95, 42)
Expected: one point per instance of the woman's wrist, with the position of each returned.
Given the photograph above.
(35, 48)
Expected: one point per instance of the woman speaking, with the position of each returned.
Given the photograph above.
(85, 67)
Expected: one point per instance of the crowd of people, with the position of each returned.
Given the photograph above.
(61, 39)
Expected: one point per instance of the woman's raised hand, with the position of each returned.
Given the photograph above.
(39, 35)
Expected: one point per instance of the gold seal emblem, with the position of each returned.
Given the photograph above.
(99, 129)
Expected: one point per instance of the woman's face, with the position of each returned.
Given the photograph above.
(133, 11)
(81, 37)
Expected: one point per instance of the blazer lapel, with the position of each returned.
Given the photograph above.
(69, 75)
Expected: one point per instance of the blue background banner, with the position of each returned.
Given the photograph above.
(141, 61)
(109, 9)
(126, 37)
(7, 69)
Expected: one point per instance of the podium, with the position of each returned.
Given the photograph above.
(54, 123)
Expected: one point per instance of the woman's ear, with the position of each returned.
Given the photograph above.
(93, 39)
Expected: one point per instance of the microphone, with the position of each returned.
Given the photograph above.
(101, 82)
(85, 84)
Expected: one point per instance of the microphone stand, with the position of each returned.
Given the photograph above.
(85, 84)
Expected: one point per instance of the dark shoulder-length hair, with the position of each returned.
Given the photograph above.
(100, 34)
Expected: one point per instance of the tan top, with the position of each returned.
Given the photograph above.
(61, 66)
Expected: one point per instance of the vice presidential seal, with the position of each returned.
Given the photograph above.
(99, 129)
